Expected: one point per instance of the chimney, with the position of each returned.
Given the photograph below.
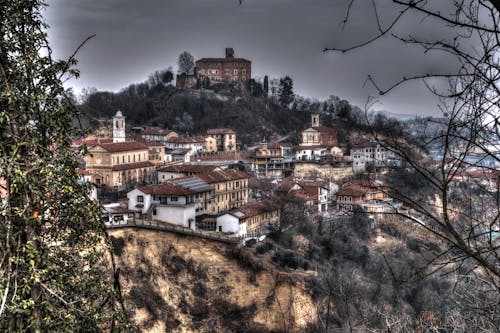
(229, 53)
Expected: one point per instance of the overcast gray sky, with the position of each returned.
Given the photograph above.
(280, 37)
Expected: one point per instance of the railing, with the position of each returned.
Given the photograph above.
(158, 225)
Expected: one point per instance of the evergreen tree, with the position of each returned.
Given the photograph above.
(266, 86)
(285, 91)
(52, 241)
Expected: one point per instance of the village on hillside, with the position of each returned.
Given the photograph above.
(211, 184)
(214, 185)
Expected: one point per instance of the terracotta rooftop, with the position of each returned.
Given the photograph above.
(220, 131)
(218, 176)
(253, 209)
(187, 168)
(351, 192)
(131, 166)
(152, 131)
(183, 139)
(151, 143)
(325, 129)
(223, 60)
(165, 189)
(364, 144)
(123, 146)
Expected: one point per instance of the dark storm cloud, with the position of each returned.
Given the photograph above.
(281, 37)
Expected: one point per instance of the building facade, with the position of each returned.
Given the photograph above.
(370, 153)
(168, 203)
(230, 188)
(225, 138)
(251, 220)
(118, 164)
(228, 69)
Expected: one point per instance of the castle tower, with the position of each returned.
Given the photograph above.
(118, 127)
(315, 120)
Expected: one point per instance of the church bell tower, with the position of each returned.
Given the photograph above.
(118, 127)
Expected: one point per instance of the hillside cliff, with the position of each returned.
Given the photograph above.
(176, 283)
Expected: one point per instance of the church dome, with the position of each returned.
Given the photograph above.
(118, 114)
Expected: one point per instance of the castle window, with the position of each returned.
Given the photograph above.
(243, 71)
(235, 72)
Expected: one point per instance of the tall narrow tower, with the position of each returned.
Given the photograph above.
(315, 120)
(118, 127)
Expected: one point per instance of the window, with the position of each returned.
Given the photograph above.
(140, 198)
(154, 211)
(235, 71)
(243, 71)
(175, 199)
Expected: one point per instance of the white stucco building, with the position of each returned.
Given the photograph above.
(366, 153)
(167, 202)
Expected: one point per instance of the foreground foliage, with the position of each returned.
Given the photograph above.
(52, 242)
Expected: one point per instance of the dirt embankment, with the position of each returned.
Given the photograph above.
(176, 283)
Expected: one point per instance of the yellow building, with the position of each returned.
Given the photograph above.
(251, 220)
(120, 163)
(210, 144)
(230, 188)
(225, 138)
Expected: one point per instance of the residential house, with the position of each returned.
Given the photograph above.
(115, 214)
(160, 135)
(204, 193)
(195, 144)
(210, 144)
(272, 160)
(366, 153)
(225, 138)
(230, 188)
(178, 155)
(169, 172)
(167, 202)
(371, 195)
(251, 220)
(312, 194)
(156, 151)
(484, 179)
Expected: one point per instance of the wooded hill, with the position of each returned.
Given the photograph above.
(156, 102)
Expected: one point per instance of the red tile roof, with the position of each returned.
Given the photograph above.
(219, 176)
(220, 131)
(254, 209)
(351, 192)
(152, 131)
(165, 189)
(150, 143)
(124, 146)
(325, 130)
(131, 166)
(364, 144)
(187, 168)
(223, 60)
(183, 139)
